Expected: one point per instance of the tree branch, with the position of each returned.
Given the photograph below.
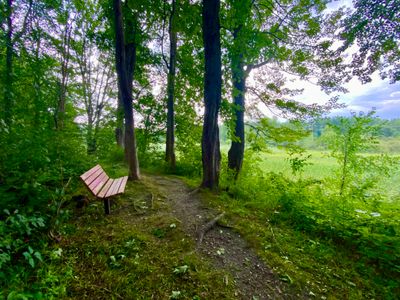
(163, 35)
(250, 67)
(25, 22)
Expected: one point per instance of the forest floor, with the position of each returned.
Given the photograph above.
(148, 248)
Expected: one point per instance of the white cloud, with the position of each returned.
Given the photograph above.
(378, 94)
(332, 6)
(357, 89)
(395, 94)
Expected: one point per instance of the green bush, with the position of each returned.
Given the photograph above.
(26, 269)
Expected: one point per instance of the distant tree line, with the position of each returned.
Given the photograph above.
(387, 128)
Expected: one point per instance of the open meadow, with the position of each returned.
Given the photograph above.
(322, 166)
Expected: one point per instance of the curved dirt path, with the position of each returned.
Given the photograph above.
(224, 247)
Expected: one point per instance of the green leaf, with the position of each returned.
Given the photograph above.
(38, 256)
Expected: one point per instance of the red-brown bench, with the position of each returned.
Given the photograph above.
(102, 186)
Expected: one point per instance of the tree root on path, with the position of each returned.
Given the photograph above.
(152, 201)
(207, 227)
(191, 193)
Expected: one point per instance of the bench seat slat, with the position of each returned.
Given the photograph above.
(123, 184)
(98, 189)
(106, 187)
(115, 192)
(121, 179)
(114, 187)
(94, 176)
(85, 175)
(98, 183)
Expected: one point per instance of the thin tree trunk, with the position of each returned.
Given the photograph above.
(8, 93)
(236, 152)
(37, 82)
(343, 178)
(211, 156)
(170, 143)
(61, 101)
(125, 86)
(101, 85)
(90, 139)
(85, 70)
(65, 55)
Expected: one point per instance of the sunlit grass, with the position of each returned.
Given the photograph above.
(321, 166)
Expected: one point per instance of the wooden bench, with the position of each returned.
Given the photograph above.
(102, 186)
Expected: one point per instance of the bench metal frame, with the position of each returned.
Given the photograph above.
(102, 186)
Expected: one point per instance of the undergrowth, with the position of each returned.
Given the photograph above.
(322, 243)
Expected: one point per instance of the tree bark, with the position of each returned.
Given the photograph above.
(211, 156)
(119, 130)
(236, 151)
(130, 64)
(65, 56)
(8, 93)
(37, 82)
(91, 142)
(125, 87)
(170, 143)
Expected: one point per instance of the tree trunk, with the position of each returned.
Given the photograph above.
(61, 101)
(65, 55)
(211, 156)
(236, 152)
(91, 139)
(37, 82)
(119, 130)
(170, 143)
(130, 64)
(125, 87)
(9, 78)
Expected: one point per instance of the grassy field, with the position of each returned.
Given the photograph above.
(320, 167)
(323, 166)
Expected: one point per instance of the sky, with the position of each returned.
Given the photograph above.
(378, 94)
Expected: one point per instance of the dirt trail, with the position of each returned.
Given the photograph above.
(225, 248)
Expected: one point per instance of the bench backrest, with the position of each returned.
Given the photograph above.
(95, 179)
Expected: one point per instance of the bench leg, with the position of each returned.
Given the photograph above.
(107, 206)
